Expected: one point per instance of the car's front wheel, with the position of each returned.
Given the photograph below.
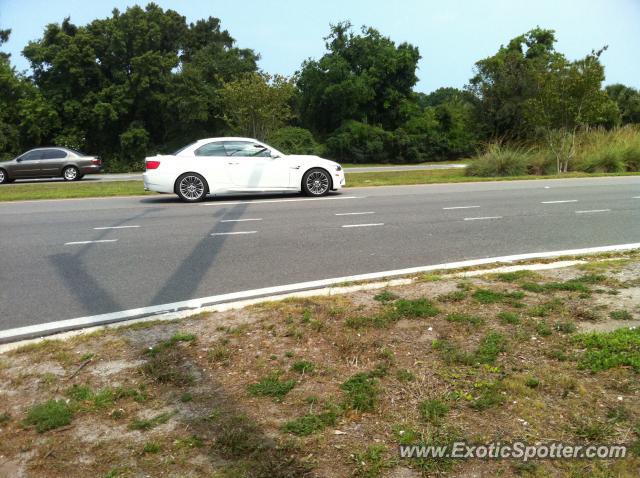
(316, 182)
(191, 187)
(71, 173)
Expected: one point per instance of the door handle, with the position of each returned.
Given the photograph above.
(233, 163)
(295, 167)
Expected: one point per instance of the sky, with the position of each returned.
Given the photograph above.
(450, 34)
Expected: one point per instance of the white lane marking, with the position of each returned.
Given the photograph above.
(593, 210)
(460, 207)
(113, 227)
(364, 225)
(481, 218)
(88, 242)
(241, 220)
(269, 293)
(635, 197)
(354, 213)
(232, 233)
(262, 201)
(559, 202)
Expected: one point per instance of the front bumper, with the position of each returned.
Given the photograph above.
(338, 180)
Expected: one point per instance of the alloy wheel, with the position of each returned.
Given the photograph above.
(317, 183)
(192, 188)
(70, 174)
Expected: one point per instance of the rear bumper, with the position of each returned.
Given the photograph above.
(155, 182)
(91, 169)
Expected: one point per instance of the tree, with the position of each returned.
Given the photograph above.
(628, 101)
(257, 104)
(25, 117)
(138, 81)
(362, 77)
(569, 97)
(505, 81)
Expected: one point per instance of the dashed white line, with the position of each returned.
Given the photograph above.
(263, 201)
(113, 227)
(593, 210)
(364, 225)
(635, 197)
(88, 242)
(481, 218)
(559, 202)
(354, 213)
(241, 220)
(460, 207)
(232, 233)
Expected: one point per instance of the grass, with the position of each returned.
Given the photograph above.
(86, 189)
(487, 352)
(415, 308)
(509, 318)
(432, 411)
(271, 386)
(487, 296)
(310, 423)
(614, 349)
(80, 189)
(620, 315)
(464, 318)
(146, 424)
(303, 366)
(49, 415)
(361, 392)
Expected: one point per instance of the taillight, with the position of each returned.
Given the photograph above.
(96, 161)
(153, 164)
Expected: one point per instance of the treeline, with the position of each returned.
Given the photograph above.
(144, 81)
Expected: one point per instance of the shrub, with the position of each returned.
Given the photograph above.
(293, 140)
(499, 160)
(356, 142)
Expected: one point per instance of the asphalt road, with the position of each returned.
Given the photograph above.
(364, 169)
(73, 258)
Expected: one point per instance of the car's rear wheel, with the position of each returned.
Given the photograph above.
(71, 173)
(191, 187)
(316, 182)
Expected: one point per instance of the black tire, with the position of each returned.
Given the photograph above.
(316, 182)
(4, 177)
(71, 173)
(191, 187)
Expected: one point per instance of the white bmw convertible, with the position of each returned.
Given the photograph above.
(238, 165)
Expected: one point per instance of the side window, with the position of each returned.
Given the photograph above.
(31, 155)
(246, 149)
(211, 149)
(53, 154)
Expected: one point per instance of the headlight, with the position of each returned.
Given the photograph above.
(338, 167)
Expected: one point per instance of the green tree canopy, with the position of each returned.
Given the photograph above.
(363, 77)
(141, 79)
(257, 104)
(628, 101)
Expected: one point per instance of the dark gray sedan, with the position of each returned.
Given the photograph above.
(49, 163)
